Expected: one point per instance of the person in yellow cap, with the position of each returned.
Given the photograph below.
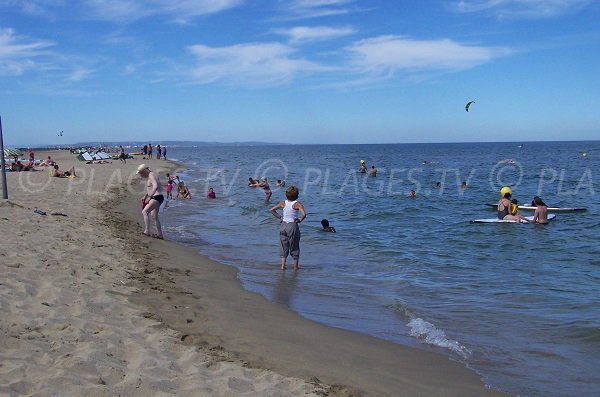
(363, 167)
(505, 207)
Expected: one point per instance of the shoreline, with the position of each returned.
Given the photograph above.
(202, 306)
(334, 361)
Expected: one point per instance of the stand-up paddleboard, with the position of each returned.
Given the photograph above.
(550, 209)
(496, 220)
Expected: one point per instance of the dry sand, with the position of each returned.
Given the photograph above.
(91, 307)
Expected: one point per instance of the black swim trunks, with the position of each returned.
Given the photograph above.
(158, 197)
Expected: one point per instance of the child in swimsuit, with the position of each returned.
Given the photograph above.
(170, 190)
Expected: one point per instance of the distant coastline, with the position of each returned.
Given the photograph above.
(258, 143)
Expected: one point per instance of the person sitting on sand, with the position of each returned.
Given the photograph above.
(47, 162)
(326, 227)
(58, 173)
(541, 211)
(16, 166)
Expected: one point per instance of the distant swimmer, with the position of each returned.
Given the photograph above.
(363, 167)
(541, 211)
(373, 171)
(412, 194)
(280, 183)
(211, 193)
(252, 182)
(326, 227)
(438, 184)
(463, 185)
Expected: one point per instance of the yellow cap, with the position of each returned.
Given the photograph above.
(505, 190)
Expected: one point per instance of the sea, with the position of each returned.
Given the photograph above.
(517, 303)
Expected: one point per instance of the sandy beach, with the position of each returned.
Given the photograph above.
(90, 306)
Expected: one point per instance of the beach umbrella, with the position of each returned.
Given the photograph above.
(8, 153)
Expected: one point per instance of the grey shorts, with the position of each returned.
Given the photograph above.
(289, 240)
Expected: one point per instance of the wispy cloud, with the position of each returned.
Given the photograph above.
(34, 7)
(520, 8)
(365, 62)
(319, 8)
(251, 64)
(303, 34)
(385, 57)
(79, 73)
(179, 10)
(18, 54)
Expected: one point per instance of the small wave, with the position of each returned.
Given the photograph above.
(431, 335)
(428, 333)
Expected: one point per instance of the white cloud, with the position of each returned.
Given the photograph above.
(180, 10)
(250, 64)
(303, 34)
(521, 8)
(79, 73)
(386, 56)
(18, 54)
(319, 8)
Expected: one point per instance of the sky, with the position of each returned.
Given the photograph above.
(299, 71)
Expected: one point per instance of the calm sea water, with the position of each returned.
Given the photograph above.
(520, 304)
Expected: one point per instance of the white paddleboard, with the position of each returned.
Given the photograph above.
(551, 209)
(496, 220)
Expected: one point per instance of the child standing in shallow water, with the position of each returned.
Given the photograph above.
(170, 189)
(289, 232)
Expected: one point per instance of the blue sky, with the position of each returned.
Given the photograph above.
(299, 71)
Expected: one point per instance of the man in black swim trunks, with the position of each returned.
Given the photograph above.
(151, 201)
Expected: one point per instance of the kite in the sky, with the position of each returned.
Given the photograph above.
(60, 133)
(468, 105)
